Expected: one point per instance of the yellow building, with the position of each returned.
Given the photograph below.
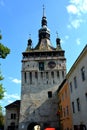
(64, 108)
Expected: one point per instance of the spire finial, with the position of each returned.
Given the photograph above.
(43, 10)
(44, 20)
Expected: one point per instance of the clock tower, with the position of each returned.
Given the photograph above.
(43, 70)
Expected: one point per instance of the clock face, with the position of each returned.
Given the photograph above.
(51, 64)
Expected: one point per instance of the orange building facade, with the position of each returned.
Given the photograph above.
(64, 108)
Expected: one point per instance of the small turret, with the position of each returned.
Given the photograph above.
(29, 44)
(58, 44)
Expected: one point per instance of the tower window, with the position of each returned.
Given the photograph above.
(52, 74)
(25, 77)
(41, 66)
(36, 75)
(30, 78)
(58, 74)
(49, 94)
(46, 75)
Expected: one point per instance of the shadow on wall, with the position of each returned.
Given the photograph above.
(43, 116)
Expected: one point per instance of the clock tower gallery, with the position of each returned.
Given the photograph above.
(43, 69)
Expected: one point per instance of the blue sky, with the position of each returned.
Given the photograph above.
(19, 18)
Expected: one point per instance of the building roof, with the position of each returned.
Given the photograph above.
(13, 104)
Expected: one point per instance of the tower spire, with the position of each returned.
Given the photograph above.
(44, 32)
(44, 20)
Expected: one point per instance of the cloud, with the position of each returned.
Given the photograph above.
(78, 41)
(17, 81)
(72, 9)
(76, 23)
(76, 9)
(65, 38)
(77, 6)
(11, 96)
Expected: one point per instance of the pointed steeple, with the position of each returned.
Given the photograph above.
(44, 42)
(44, 20)
(44, 32)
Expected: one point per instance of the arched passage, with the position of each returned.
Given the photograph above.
(31, 125)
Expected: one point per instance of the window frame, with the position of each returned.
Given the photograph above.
(13, 115)
(75, 82)
(73, 107)
(71, 87)
(78, 104)
(83, 73)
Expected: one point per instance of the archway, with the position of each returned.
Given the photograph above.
(31, 125)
